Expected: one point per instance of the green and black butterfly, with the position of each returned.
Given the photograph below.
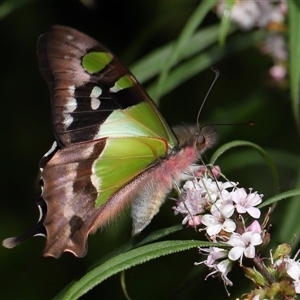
(113, 148)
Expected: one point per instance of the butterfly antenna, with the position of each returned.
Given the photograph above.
(217, 73)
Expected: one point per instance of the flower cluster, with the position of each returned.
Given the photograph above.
(220, 209)
(267, 15)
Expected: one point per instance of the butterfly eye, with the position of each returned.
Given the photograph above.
(200, 142)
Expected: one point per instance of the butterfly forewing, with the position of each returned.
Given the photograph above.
(87, 85)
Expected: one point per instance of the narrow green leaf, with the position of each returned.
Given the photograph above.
(151, 64)
(186, 34)
(294, 62)
(8, 6)
(205, 60)
(225, 22)
(290, 219)
(279, 197)
(127, 260)
(133, 243)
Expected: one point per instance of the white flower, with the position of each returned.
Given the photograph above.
(276, 46)
(212, 189)
(248, 14)
(246, 202)
(222, 208)
(191, 207)
(294, 272)
(292, 268)
(215, 253)
(243, 245)
(221, 211)
(278, 72)
(223, 267)
(214, 225)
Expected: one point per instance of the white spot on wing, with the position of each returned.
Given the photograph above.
(96, 181)
(53, 147)
(70, 37)
(95, 103)
(68, 119)
(71, 90)
(39, 234)
(71, 105)
(96, 92)
(41, 212)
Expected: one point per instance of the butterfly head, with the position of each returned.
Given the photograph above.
(201, 138)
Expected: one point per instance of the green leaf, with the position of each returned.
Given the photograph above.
(228, 146)
(205, 60)
(186, 34)
(290, 219)
(154, 236)
(151, 64)
(294, 62)
(279, 197)
(127, 260)
(225, 22)
(8, 6)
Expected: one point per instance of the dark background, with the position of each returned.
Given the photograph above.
(131, 29)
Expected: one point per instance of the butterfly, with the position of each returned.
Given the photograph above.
(112, 146)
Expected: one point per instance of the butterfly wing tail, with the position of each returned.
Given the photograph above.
(37, 230)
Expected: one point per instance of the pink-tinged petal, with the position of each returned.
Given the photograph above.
(216, 170)
(240, 209)
(254, 212)
(238, 195)
(250, 251)
(278, 72)
(194, 221)
(215, 254)
(253, 199)
(235, 253)
(254, 227)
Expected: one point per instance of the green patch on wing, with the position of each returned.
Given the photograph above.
(124, 82)
(140, 120)
(94, 62)
(123, 159)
